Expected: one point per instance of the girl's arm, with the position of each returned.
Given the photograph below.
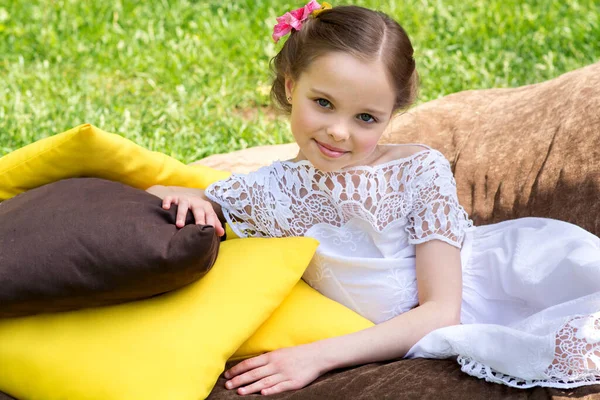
(439, 281)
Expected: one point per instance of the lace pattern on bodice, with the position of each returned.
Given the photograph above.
(288, 198)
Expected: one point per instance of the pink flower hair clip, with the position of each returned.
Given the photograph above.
(295, 18)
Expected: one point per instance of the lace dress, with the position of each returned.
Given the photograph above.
(531, 286)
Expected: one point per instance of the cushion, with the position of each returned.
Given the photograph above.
(88, 151)
(172, 346)
(419, 378)
(305, 316)
(86, 242)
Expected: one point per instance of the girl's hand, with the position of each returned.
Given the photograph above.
(204, 214)
(281, 370)
(188, 199)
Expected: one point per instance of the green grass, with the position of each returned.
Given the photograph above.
(191, 78)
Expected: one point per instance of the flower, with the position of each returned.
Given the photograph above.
(293, 19)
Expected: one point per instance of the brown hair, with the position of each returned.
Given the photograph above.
(364, 33)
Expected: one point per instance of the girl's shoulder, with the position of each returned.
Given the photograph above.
(409, 154)
(401, 152)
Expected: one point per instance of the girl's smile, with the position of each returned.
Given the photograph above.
(330, 151)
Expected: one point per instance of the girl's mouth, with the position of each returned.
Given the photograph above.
(329, 151)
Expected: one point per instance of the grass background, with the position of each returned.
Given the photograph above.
(191, 78)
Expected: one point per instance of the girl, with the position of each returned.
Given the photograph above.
(516, 301)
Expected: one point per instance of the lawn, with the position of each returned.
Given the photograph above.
(191, 78)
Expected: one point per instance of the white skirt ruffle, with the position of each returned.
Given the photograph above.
(531, 306)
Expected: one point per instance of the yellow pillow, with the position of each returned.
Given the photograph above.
(169, 347)
(305, 316)
(88, 151)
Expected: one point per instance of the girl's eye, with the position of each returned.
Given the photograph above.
(323, 103)
(364, 117)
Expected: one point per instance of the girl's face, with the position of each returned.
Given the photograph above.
(340, 107)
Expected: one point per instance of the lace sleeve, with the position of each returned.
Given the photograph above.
(247, 202)
(436, 213)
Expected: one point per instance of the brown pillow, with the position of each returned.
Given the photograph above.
(88, 242)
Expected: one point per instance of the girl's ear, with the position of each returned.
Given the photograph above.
(289, 87)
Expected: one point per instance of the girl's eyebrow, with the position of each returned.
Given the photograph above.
(367, 110)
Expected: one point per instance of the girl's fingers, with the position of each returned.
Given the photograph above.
(212, 219)
(182, 210)
(167, 202)
(219, 228)
(199, 215)
(278, 388)
(203, 212)
(246, 365)
(251, 377)
(267, 382)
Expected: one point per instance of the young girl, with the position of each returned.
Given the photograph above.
(516, 301)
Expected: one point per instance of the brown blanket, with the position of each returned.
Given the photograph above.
(410, 379)
(405, 379)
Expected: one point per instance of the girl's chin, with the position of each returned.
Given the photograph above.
(325, 165)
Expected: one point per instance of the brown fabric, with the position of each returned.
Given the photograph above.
(409, 379)
(528, 151)
(404, 379)
(88, 242)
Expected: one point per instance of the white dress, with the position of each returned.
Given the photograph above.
(531, 286)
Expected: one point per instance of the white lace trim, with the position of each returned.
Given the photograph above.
(480, 370)
(576, 359)
(288, 198)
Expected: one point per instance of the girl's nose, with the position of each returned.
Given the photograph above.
(338, 132)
